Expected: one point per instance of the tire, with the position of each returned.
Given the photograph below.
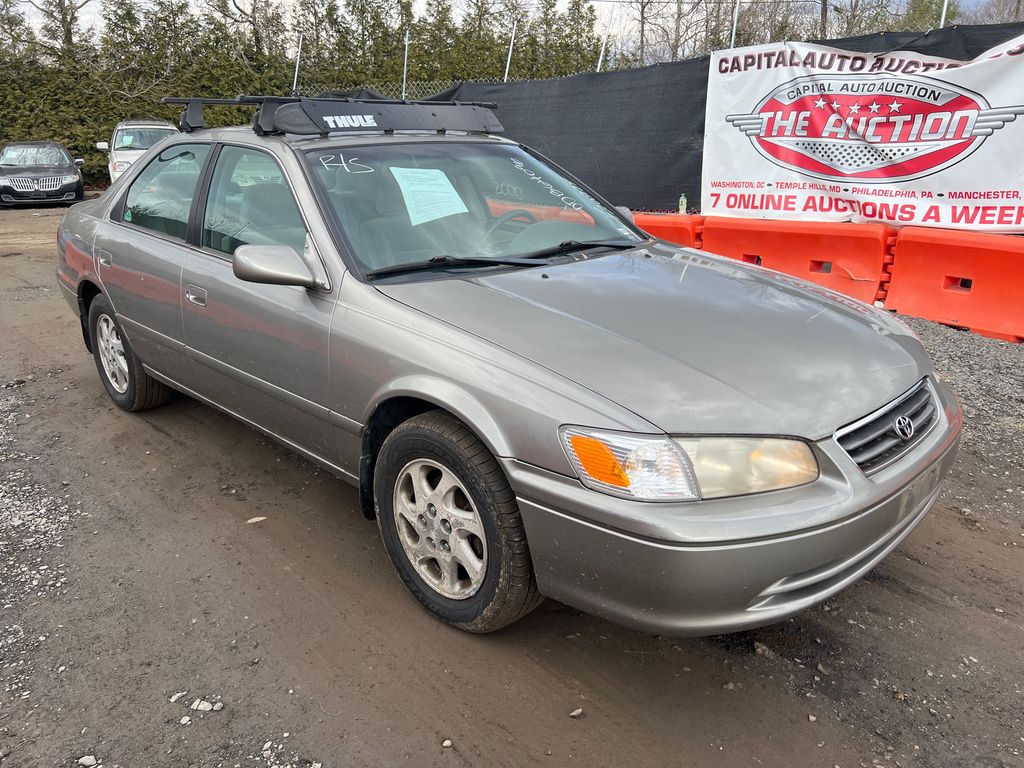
(131, 389)
(429, 446)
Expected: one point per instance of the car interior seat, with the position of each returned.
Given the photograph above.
(269, 216)
(391, 238)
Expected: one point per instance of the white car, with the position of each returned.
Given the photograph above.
(131, 138)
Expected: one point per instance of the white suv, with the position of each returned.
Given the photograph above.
(131, 138)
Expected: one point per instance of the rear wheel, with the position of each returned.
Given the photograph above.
(451, 525)
(128, 385)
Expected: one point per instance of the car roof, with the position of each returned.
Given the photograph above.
(42, 143)
(151, 122)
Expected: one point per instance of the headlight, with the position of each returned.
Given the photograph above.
(631, 466)
(652, 468)
(734, 466)
(5, 180)
(69, 179)
(121, 166)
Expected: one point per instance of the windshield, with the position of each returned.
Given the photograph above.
(34, 155)
(139, 137)
(405, 203)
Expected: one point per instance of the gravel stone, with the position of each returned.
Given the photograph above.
(33, 523)
(986, 375)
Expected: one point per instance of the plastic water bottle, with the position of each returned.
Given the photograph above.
(682, 203)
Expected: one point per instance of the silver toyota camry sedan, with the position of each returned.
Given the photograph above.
(533, 397)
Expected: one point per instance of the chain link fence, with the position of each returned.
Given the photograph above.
(414, 89)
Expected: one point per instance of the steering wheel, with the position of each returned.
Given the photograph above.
(505, 218)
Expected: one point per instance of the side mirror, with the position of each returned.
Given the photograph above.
(79, 162)
(626, 213)
(273, 265)
(103, 146)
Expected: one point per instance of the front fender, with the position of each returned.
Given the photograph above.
(451, 397)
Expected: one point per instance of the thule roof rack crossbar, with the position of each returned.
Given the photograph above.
(304, 116)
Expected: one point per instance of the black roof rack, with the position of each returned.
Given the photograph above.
(320, 116)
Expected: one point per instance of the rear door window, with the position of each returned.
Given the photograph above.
(161, 197)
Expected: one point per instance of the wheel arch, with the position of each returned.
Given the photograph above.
(411, 397)
(87, 291)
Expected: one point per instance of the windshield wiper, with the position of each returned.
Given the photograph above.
(442, 262)
(579, 245)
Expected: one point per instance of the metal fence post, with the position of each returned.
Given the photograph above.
(298, 58)
(735, 22)
(511, 42)
(405, 64)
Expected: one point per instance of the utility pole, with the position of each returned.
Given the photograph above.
(824, 20)
(511, 42)
(298, 58)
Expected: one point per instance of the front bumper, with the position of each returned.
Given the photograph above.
(64, 194)
(727, 565)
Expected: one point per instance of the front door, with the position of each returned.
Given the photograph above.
(140, 252)
(259, 350)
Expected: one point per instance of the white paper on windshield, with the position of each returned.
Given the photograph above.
(428, 194)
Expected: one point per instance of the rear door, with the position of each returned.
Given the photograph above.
(259, 350)
(140, 252)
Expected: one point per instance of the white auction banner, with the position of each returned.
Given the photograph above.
(802, 131)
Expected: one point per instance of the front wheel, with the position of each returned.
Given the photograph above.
(451, 525)
(123, 376)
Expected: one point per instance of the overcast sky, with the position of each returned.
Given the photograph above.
(613, 15)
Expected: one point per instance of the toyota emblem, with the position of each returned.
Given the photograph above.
(903, 427)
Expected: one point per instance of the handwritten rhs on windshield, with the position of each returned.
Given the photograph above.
(351, 165)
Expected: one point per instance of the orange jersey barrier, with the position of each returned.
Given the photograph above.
(674, 227)
(539, 212)
(965, 279)
(852, 259)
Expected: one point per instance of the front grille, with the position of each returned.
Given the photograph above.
(47, 184)
(883, 437)
(50, 183)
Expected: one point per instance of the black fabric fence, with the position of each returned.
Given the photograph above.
(637, 136)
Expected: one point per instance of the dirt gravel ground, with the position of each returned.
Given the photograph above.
(146, 621)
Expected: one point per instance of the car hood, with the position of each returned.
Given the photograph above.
(692, 343)
(128, 154)
(34, 171)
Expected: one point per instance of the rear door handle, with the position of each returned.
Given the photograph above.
(196, 295)
(104, 257)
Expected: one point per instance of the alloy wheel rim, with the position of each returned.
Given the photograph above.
(440, 529)
(111, 351)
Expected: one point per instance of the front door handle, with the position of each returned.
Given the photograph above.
(104, 257)
(196, 295)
